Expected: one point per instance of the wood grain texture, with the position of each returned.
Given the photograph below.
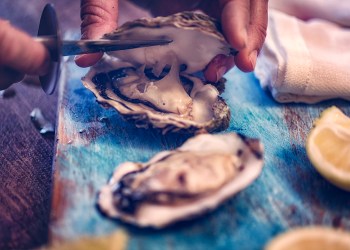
(26, 156)
(25, 176)
(289, 193)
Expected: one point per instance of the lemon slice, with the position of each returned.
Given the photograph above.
(115, 241)
(328, 147)
(311, 238)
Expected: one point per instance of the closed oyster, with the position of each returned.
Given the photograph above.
(158, 86)
(184, 183)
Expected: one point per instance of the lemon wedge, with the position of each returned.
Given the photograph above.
(328, 147)
(116, 241)
(311, 238)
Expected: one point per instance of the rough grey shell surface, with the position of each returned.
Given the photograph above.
(184, 183)
(184, 20)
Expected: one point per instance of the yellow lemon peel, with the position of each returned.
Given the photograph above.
(328, 147)
(311, 238)
(118, 240)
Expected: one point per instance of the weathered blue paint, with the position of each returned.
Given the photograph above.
(289, 193)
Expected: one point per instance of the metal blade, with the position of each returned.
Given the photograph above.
(93, 46)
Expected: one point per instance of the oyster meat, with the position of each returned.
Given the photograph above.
(184, 183)
(160, 86)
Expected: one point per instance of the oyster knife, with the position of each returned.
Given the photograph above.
(49, 35)
(77, 47)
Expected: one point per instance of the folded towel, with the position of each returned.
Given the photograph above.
(336, 11)
(304, 61)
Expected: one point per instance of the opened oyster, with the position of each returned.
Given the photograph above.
(158, 86)
(183, 183)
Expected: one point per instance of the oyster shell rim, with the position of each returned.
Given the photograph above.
(240, 182)
(149, 119)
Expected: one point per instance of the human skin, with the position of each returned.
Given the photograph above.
(19, 55)
(244, 24)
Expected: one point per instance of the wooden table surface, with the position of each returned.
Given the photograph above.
(289, 193)
(91, 141)
(26, 156)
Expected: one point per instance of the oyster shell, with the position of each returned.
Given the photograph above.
(184, 183)
(158, 86)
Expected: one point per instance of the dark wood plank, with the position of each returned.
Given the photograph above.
(26, 156)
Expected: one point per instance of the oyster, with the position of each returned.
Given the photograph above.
(160, 86)
(184, 183)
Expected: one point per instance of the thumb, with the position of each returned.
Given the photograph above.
(98, 18)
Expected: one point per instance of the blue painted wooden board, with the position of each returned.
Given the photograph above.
(92, 140)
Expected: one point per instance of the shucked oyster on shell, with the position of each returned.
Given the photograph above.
(184, 183)
(158, 86)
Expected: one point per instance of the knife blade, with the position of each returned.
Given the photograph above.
(77, 47)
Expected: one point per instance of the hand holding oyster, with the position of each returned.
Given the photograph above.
(244, 24)
(160, 86)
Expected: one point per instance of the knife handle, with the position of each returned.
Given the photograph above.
(52, 44)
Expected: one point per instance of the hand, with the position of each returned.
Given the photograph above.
(244, 24)
(98, 18)
(19, 55)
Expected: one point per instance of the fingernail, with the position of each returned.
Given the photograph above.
(77, 57)
(221, 71)
(252, 57)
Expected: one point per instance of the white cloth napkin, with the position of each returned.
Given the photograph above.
(306, 60)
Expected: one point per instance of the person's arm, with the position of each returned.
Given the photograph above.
(19, 55)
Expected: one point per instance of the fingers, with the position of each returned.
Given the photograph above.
(19, 55)
(8, 77)
(20, 52)
(87, 60)
(218, 67)
(98, 18)
(235, 19)
(246, 59)
(244, 24)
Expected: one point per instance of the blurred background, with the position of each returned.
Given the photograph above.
(26, 156)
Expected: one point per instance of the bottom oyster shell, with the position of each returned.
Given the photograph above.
(184, 183)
